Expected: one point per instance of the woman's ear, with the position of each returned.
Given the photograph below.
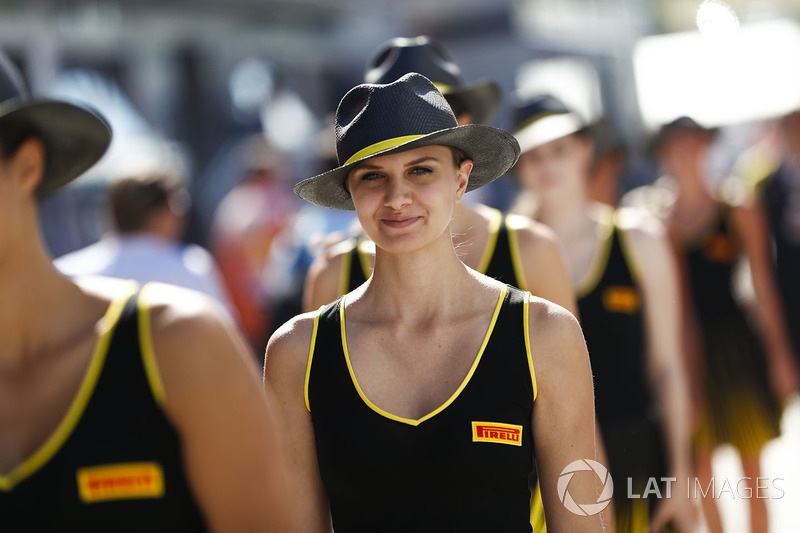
(28, 164)
(462, 177)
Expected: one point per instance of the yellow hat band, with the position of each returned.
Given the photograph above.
(380, 147)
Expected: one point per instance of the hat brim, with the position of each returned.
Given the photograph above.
(481, 99)
(492, 150)
(547, 129)
(75, 138)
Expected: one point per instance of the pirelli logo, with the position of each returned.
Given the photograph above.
(621, 299)
(121, 481)
(497, 432)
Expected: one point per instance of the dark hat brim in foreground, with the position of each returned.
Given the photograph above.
(75, 138)
(492, 150)
(481, 99)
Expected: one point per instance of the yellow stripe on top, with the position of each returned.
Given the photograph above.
(148, 351)
(516, 258)
(527, 333)
(311, 358)
(537, 511)
(380, 147)
(411, 421)
(47, 450)
(628, 251)
(605, 231)
(491, 241)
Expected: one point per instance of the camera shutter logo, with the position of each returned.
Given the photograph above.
(585, 509)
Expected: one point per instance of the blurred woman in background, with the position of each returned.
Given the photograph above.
(625, 280)
(743, 366)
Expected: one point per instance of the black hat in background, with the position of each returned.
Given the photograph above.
(682, 124)
(402, 55)
(381, 119)
(541, 119)
(74, 137)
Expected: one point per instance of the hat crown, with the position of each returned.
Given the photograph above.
(11, 82)
(532, 109)
(369, 114)
(402, 55)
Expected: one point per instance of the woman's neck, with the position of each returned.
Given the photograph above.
(35, 296)
(427, 282)
(567, 219)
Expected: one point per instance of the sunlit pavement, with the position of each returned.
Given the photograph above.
(781, 464)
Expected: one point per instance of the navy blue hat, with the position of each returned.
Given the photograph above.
(541, 119)
(74, 137)
(402, 55)
(380, 119)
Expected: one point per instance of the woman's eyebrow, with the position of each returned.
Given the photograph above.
(367, 166)
(421, 160)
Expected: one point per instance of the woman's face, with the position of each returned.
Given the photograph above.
(685, 152)
(405, 200)
(555, 170)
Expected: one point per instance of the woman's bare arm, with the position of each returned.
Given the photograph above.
(563, 415)
(750, 224)
(284, 377)
(233, 458)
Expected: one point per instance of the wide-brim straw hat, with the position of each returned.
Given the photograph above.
(381, 119)
(74, 137)
(541, 119)
(423, 55)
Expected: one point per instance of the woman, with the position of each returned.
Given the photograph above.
(509, 248)
(120, 409)
(625, 280)
(743, 372)
(396, 424)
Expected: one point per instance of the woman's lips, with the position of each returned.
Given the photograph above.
(403, 222)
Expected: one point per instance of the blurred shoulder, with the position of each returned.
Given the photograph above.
(531, 233)
(639, 222)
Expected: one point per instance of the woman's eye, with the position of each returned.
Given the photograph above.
(370, 176)
(419, 171)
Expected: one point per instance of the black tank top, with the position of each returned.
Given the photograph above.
(114, 463)
(463, 467)
(711, 261)
(501, 259)
(610, 309)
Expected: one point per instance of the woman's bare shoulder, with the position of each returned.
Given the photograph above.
(556, 336)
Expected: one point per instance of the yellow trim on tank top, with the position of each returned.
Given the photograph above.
(50, 447)
(148, 350)
(605, 231)
(527, 334)
(516, 257)
(631, 259)
(411, 421)
(538, 524)
(491, 241)
(311, 358)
